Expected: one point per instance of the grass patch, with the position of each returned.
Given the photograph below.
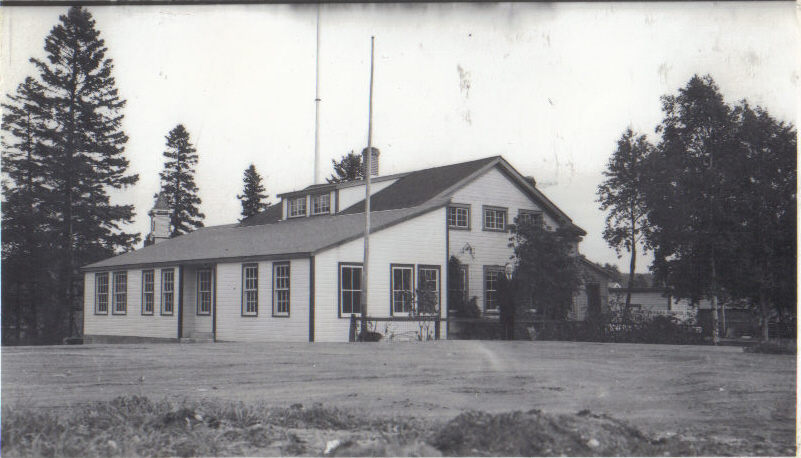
(137, 426)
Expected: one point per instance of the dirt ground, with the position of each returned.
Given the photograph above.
(712, 393)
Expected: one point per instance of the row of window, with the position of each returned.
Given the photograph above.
(281, 289)
(250, 291)
(119, 292)
(405, 298)
(494, 218)
(320, 205)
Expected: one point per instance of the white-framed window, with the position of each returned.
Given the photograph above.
(120, 296)
(148, 292)
(204, 292)
(297, 207)
(494, 219)
(101, 294)
(250, 289)
(428, 290)
(350, 289)
(402, 288)
(281, 289)
(492, 276)
(321, 204)
(167, 291)
(529, 217)
(459, 217)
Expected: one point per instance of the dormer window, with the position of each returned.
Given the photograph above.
(297, 207)
(321, 204)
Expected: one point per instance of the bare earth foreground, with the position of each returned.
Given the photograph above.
(719, 394)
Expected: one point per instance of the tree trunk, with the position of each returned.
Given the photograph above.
(765, 312)
(632, 265)
(714, 300)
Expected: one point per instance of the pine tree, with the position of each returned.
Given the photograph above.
(253, 194)
(178, 182)
(349, 168)
(82, 146)
(25, 223)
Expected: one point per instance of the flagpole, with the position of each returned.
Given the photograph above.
(317, 177)
(367, 172)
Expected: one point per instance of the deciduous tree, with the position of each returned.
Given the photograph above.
(253, 194)
(765, 273)
(178, 182)
(546, 273)
(690, 194)
(622, 194)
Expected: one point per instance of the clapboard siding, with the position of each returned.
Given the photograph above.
(133, 323)
(421, 240)
(354, 194)
(477, 247)
(232, 326)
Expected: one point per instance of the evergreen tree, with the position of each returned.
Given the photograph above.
(253, 194)
(623, 196)
(178, 182)
(26, 225)
(80, 145)
(349, 168)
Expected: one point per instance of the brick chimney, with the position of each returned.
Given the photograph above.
(373, 160)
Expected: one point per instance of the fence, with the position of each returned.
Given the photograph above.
(395, 329)
(651, 331)
(429, 327)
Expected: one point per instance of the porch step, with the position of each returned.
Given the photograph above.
(198, 337)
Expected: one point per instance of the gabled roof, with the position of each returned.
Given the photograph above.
(591, 265)
(289, 238)
(419, 186)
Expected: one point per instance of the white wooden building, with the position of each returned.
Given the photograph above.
(293, 272)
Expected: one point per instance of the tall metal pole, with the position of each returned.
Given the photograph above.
(368, 168)
(317, 177)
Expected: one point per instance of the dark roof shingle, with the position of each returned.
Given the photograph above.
(418, 187)
(301, 236)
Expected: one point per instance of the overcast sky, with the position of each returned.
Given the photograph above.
(550, 87)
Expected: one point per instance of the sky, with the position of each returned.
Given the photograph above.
(549, 86)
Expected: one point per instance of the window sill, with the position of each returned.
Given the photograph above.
(458, 228)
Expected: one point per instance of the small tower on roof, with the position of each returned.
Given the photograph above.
(159, 220)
